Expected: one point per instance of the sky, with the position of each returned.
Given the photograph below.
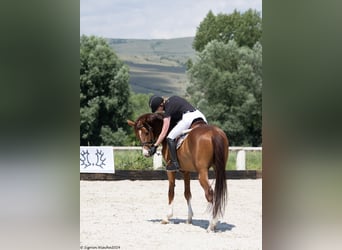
(152, 19)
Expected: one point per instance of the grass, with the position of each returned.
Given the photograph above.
(134, 160)
(174, 48)
(156, 65)
(158, 79)
(253, 160)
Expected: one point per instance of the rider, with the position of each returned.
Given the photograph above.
(176, 111)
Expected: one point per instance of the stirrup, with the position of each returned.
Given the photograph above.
(173, 167)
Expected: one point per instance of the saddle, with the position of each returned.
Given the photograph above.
(195, 123)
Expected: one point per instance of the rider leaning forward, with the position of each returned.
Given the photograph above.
(176, 111)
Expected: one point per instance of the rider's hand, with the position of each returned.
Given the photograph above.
(153, 150)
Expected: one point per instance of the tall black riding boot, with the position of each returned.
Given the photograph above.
(174, 166)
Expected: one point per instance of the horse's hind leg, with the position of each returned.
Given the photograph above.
(209, 195)
(187, 195)
(204, 181)
(172, 182)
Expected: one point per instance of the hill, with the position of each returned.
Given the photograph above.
(156, 65)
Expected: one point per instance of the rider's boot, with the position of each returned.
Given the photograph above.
(174, 165)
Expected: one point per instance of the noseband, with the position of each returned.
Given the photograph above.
(148, 143)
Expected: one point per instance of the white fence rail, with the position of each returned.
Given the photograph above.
(240, 157)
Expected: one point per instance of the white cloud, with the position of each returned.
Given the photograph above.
(152, 18)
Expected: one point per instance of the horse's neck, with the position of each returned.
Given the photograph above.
(157, 124)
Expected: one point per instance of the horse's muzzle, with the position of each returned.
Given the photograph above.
(146, 152)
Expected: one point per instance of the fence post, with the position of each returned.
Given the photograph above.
(157, 160)
(241, 160)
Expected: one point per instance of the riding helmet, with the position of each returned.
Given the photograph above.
(154, 102)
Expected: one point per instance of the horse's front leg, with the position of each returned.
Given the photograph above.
(172, 182)
(187, 195)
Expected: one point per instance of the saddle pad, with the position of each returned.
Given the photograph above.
(182, 137)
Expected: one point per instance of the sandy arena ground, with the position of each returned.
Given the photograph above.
(127, 215)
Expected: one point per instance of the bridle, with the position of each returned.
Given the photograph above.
(148, 143)
(150, 130)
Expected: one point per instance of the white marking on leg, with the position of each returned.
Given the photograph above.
(209, 209)
(190, 212)
(169, 214)
(212, 221)
(212, 225)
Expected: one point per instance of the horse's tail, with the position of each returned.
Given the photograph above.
(220, 143)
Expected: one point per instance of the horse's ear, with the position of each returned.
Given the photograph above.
(131, 123)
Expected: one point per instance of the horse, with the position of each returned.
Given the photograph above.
(205, 146)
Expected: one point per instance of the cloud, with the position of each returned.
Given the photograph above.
(149, 19)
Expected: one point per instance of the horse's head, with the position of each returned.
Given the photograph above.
(147, 129)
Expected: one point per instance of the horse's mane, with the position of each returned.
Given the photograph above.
(155, 120)
(150, 117)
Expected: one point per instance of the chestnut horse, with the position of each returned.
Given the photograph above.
(205, 146)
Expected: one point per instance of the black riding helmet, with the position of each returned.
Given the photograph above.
(154, 102)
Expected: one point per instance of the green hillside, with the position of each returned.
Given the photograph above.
(156, 65)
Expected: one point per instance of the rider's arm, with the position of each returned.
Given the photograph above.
(166, 125)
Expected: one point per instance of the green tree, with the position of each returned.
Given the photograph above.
(140, 106)
(139, 103)
(104, 94)
(206, 32)
(225, 84)
(245, 29)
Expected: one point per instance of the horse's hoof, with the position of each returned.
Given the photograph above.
(189, 222)
(211, 229)
(165, 221)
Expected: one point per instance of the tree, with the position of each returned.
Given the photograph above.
(206, 32)
(225, 84)
(104, 94)
(245, 29)
(140, 106)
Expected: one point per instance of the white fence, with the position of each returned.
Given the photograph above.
(240, 157)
